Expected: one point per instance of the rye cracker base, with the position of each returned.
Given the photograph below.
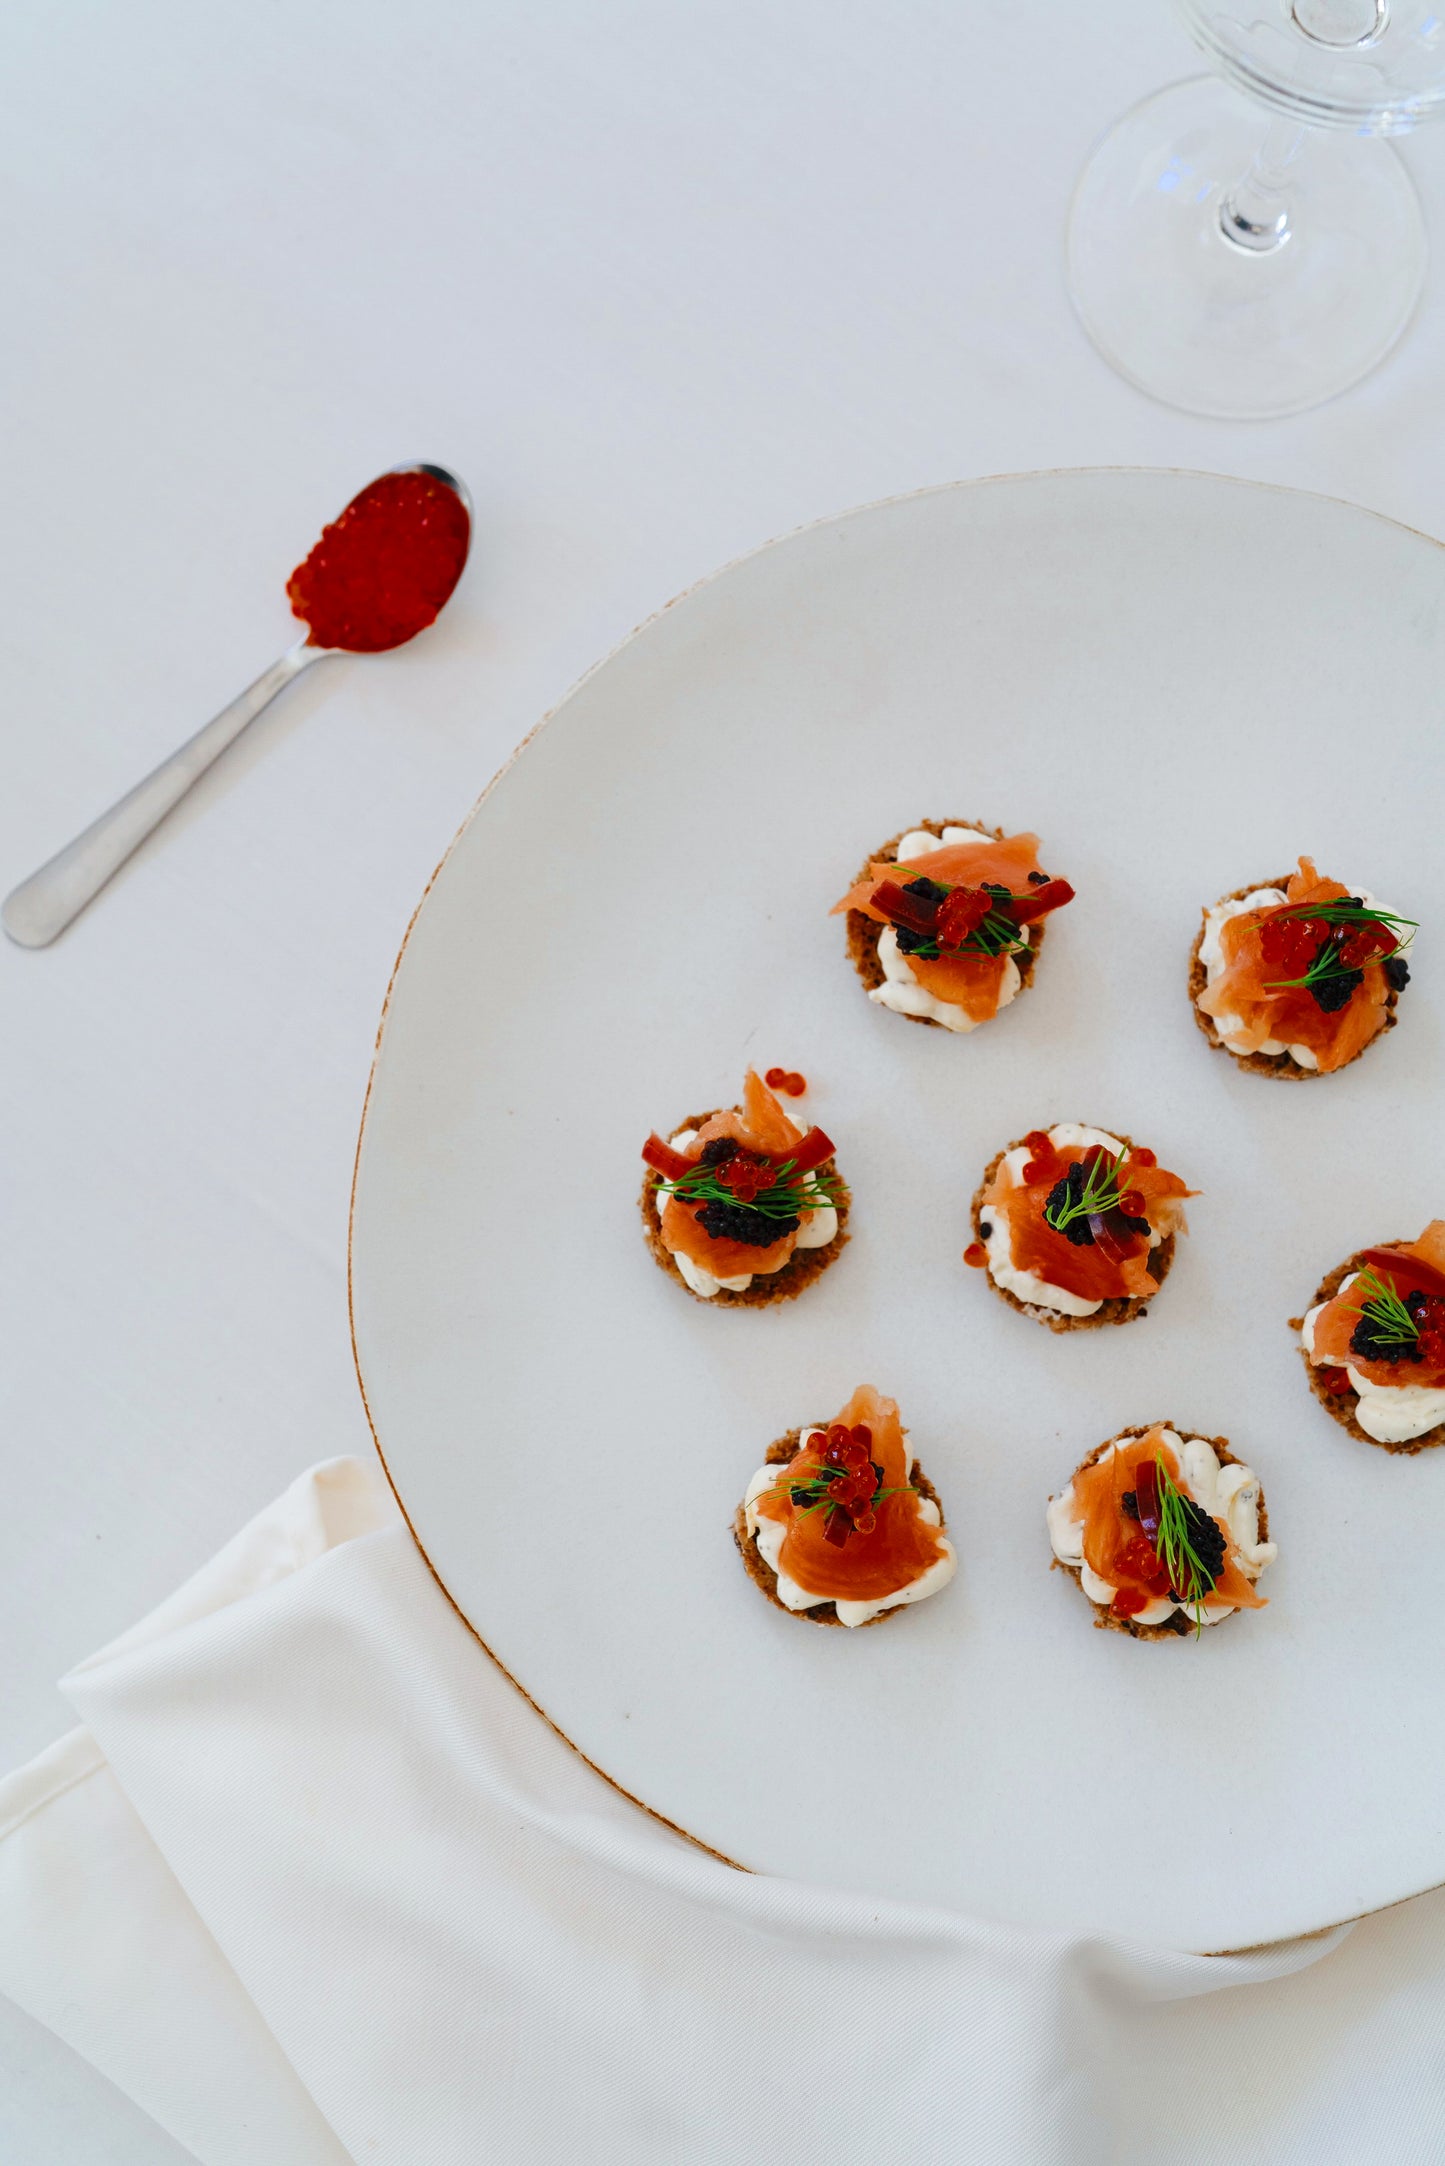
(1341, 1408)
(1178, 1626)
(1276, 1064)
(769, 1287)
(762, 1574)
(1121, 1310)
(864, 933)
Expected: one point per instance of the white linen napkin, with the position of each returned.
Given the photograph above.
(314, 1883)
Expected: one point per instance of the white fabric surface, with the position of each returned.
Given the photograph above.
(314, 1883)
(660, 277)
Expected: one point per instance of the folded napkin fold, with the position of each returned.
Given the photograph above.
(314, 1883)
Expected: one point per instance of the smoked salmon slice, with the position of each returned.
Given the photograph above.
(1256, 1002)
(1112, 1534)
(1115, 1264)
(964, 976)
(1405, 1269)
(762, 1127)
(901, 1545)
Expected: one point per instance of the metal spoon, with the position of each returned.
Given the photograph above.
(42, 906)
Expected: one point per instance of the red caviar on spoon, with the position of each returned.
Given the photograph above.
(384, 570)
(378, 576)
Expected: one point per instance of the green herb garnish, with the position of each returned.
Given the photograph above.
(1390, 1322)
(1101, 1192)
(815, 1491)
(995, 934)
(1190, 1578)
(1332, 959)
(787, 1195)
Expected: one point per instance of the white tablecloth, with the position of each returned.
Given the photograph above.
(660, 277)
(313, 1884)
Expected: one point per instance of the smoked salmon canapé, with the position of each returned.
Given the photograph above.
(840, 1524)
(1297, 977)
(945, 922)
(744, 1207)
(1076, 1227)
(1163, 1531)
(1374, 1342)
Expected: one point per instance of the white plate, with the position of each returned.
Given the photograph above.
(1181, 682)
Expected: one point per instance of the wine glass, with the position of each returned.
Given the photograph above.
(1244, 263)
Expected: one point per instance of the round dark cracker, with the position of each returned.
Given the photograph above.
(864, 933)
(1121, 1309)
(768, 1287)
(1341, 1407)
(761, 1573)
(1276, 1064)
(1179, 1625)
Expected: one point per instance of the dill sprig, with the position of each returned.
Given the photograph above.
(816, 1491)
(1190, 1578)
(786, 1196)
(1390, 1322)
(1103, 1187)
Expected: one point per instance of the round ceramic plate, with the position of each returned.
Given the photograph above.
(1181, 683)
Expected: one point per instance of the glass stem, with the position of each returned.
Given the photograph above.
(1255, 213)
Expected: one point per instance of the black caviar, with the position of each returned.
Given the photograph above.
(1069, 1192)
(738, 1222)
(1397, 973)
(1332, 993)
(910, 942)
(1365, 1339)
(1206, 1538)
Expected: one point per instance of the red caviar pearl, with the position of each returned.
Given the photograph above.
(1336, 1381)
(795, 1084)
(776, 1078)
(1129, 1601)
(1131, 1203)
(975, 1254)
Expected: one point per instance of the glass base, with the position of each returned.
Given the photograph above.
(1207, 325)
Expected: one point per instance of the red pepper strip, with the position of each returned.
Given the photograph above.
(665, 1160)
(914, 911)
(1051, 896)
(811, 1152)
(1405, 1273)
(1106, 1241)
(1146, 1493)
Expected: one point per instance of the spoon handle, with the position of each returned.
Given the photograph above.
(42, 906)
